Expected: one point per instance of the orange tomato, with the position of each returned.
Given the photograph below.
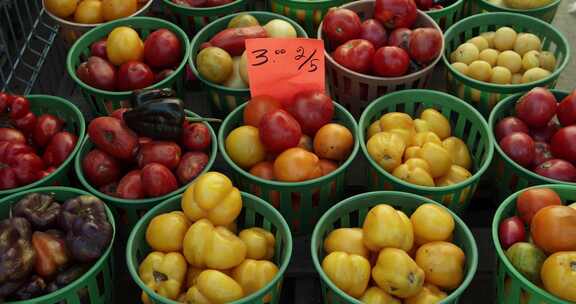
(89, 12)
(296, 165)
(559, 275)
(327, 166)
(333, 141)
(553, 229)
(116, 9)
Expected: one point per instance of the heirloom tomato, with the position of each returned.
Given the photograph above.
(374, 32)
(279, 131)
(341, 25)
(553, 229)
(312, 110)
(356, 55)
(532, 200)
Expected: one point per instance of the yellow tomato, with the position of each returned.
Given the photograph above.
(89, 12)
(373, 129)
(215, 64)
(386, 149)
(412, 152)
(375, 295)
(431, 223)
(385, 226)
(438, 157)
(259, 243)
(116, 9)
(423, 137)
(243, 65)
(253, 275)
(244, 147)
(455, 175)
(349, 240)
(429, 294)
(400, 123)
(61, 8)
(436, 122)
(443, 264)
(350, 272)
(214, 287)
(421, 125)
(415, 171)
(397, 274)
(458, 150)
(166, 231)
(559, 275)
(123, 45)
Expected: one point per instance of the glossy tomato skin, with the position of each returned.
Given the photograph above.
(530, 201)
(100, 168)
(395, 13)
(161, 152)
(536, 107)
(558, 169)
(545, 133)
(567, 110)
(257, 107)
(563, 144)
(9, 151)
(511, 231)
(400, 37)
(12, 135)
(20, 107)
(191, 165)
(134, 75)
(279, 131)
(263, 170)
(541, 153)
(519, 147)
(296, 165)
(424, 4)
(7, 179)
(113, 137)
(158, 180)
(27, 168)
(162, 49)
(98, 49)
(356, 54)
(130, 186)
(312, 110)
(425, 45)
(196, 137)
(553, 229)
(27, 123)
(98, 73)
(509, 125)
(390, 61)
(341, 25)
(47, 126)
(373, 31)
(59, 148)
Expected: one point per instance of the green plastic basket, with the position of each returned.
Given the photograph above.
(300, 203)
(223, 99)
(520, 290)
(307, 13)
(74, 123)
(129, 211)
(105, 102)
(447, 16)
(351, 213)
(192, 19)
(255, 213)
(98, 281)
(545, 13)
(483, 95)
(467, 124)
(511, 176)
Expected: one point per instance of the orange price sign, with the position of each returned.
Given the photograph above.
(282, 67)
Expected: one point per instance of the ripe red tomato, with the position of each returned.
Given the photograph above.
(158, 180)
(5, 101)
(161, 152)
(536, 107)
(196, 137)
(519, 147)
(511, 231)
(191, 165)
(27, 123)
(59, 148)
(341, 25)
(425, 44)
(424, 4)
(530, 201)
(558, 169)
(162, 49)
(563, 144)
(7, 179)
(312, 110)
(257, 107)
(113, 137)
(374, 32)
(12, 135)
(134, 75)
(545, 133)
(400, 37)
(263, 170)
(27, 167)
(20, 107)
(100, 168)
(98, 73)
(541, 153)
(390, 61)
(567, 110)
(47, 126)
(509, 125)
(98, 49)
(395, 13)
(130, 186)
(356, 54)
(279, 131)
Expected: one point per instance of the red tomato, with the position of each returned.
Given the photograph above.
(312, 110)
(545, 133)
(567, 110)
(119, 113)
(341, 25)
(519, 147)
(8, 151)
(279, 131)
(113, 137)
(536, 107)
(27, 168)
(395, 13)
(20, 107)
(161, 152)
(47, 126)
(5, 101)
(130, 186)
(59, 148)
(263, 170)
(98, 49)
(558, 169)
(511, 231)
(257, 107)
(12, 135)
(327, 166)
(196, 137)
(134, 75)
(212, 3)
(425, 44)
(356, 54)
(509, 125)
(424, 4)
(530, 201)
(191, 165)
(27, 123)
(374, 32)
(163, 75)
(563, 144)
(390, 61)
(157, 180)
(100, 168)
(541, 153)
(400, 37)
(162, 49)
(7, 179)
(98, 73)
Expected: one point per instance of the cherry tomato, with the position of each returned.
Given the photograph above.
(567, 110)
(130, 186)
(279, 131)
(390, 61)
(374, 32)
(509, 125)
(356, 55)
(134, 75)
(530, 201)
(113, 137)
(545, 133)
(100, 168)
(59, 148)
(27, 123)
(341, 25)
(296, 165)
(536, 107)
(425, 44)
(196, 137)
(519, 147)
(312, 110)
(558, 169)
(12, 135)
(162, 49)
(157, 180)
(98, 49)
(191, 165)
(511, 231)
(257, 107)
(20, 107)
(563, 144)
(395, 13)
(400, 37)
(541, 153)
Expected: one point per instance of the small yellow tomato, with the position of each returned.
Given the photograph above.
(437, 157)
(504, 38)
(214, 286)
(412, 152)
(458, 150)
(465, 53)
(510, 60)
(531, 60)
(385, 226)
(421, 125)
(526, 42)
(215, 64)
(501, 75)
(423, 137)
(349, 272)
(89, 12)
(548, 61)
(480, 70)
(559, 275)
(534, 74)
(401, 123)
(259, 243)
(373, 129)
(443, 264)
(375, 295)
(61, 8)
(349, 240)
(397, 274)
(415, 171)
(116, 9)
(386, 149)
(489, 36)
(480, 42)
(489, 55)
(431, 223)
(244, 147)
(123, 45)
(253, 275)
(436, 122)
(165, 232)
(429, 294)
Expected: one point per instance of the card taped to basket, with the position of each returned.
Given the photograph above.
(282, 67)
